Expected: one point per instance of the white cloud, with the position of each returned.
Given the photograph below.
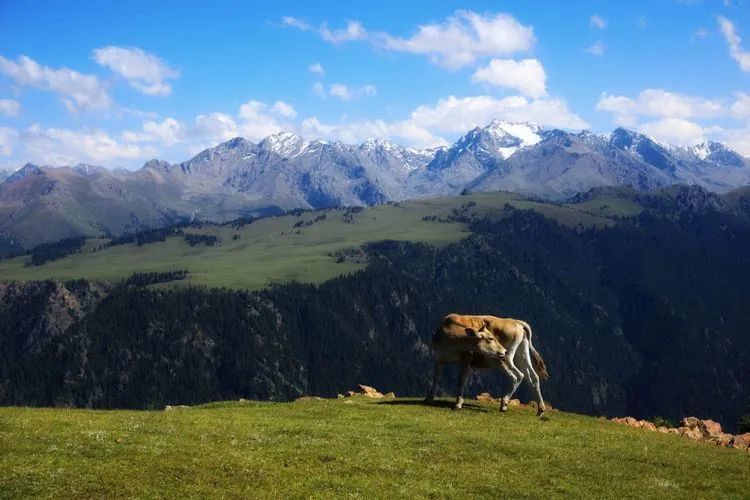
(741, 107)
(675, 131)
(734, 42)
(344, 92)
(284, 109)
(316, 68)
(77, 90)
(54, 146)
(597, 49)
(353, 31)
(254, 120)
(526, 76)
(463, 38)
(295, 23)
(143, 71)
(598, 22)
(457, 115)
(661, 104)
(341, 91)
(425, 126)
(8, 138)
(738, 139)
(9, 107)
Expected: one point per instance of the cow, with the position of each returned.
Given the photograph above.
(521, 361)
(456, 342)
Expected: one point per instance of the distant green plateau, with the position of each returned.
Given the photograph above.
(273, 250)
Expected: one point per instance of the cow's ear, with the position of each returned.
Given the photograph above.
(471, 332)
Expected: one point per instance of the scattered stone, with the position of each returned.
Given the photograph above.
(645, 424)
(243, 400)
(673, 431)
(662, 429)
(350, 394)
(486, 397)
(741, 441)
(309, 398)
(722, 439)
(370, 392)
(340, 396)
(690, 422)
(514, 402)
(709, 428)
(691, 432)
(390, 395)
(170, 407)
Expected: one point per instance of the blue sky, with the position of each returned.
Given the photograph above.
(120, 84)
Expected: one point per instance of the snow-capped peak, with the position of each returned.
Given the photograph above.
(286, 144)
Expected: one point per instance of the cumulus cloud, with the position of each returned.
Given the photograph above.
(463, 38)
(661, 104)
(254, 120)
(9, 107)
(735, 44)
(316, 68)
(77, 90)
(143, 71)
(677, 131)
(598, 22)
(526, 76)
(57, 146)
(596, 49)
(8, 138)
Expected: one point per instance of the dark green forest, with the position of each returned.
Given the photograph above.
(645, 318)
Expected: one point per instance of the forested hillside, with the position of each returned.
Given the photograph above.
(645, 317)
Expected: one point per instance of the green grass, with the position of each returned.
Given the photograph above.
(355, 448)
(272, 250)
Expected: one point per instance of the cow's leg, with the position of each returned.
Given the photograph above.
(435, 381)
(532, 377)
(515, 375)
(463, 378)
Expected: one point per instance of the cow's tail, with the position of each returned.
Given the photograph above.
(540, 367)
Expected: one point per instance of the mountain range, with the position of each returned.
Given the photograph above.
(284, 171)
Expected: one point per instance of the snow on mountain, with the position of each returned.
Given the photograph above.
(285, 171)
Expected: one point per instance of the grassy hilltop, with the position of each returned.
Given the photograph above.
(287, 248)
(353, 447)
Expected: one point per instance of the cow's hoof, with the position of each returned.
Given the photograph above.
(542, 415)
(456, 407)
(503, 409)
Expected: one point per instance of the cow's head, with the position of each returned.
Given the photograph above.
(487, 343)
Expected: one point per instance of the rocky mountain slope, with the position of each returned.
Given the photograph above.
(284, 171)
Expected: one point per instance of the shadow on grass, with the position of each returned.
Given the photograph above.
(447, 404)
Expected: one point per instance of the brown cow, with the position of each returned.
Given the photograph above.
(456, 342)
(521, 362)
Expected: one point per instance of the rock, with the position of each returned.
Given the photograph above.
(340, 396)
(721, 439)
(690, 422)
(673, 431)
(692, 433)
(350, 394)
(309, 398)
(243, 400)
(486, 397)
(662, 429)
(645, 424)
(514, 402)
(710, 428)
(370, 392)
(390, 395)
(741, 441)
(170, 407)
